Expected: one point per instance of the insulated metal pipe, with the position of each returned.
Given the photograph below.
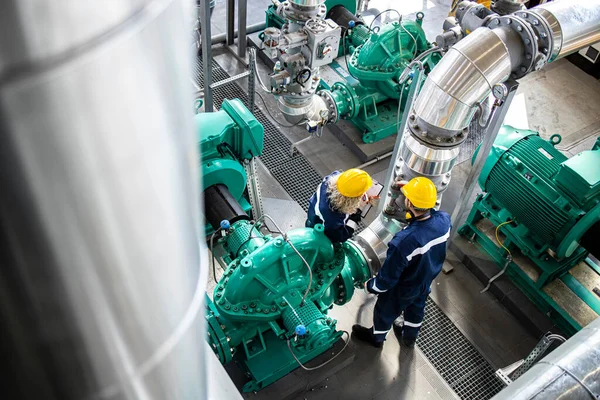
(575, 24)
(102, 273)
(487, 56)
(571, 371)
(462, 79)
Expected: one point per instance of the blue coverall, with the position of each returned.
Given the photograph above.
(414, 258)
(338, 226)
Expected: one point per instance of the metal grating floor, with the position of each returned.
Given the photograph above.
(467, 372)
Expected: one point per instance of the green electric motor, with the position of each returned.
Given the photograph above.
(269, 309)
(555, 199)
(539, 219)
(228, 139)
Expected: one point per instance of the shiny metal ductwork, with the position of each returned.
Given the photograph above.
(503, 47)
(571, 371)
(500, 48)
(102, 274)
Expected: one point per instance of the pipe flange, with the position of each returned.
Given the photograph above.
(433, 136)
(528, 38)
(327, 96)
(351, 98)
(299, 15)
(545, 39)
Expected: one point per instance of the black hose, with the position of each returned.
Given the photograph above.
(302, 73)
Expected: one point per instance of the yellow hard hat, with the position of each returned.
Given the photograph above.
(421, 192)
(354, 182)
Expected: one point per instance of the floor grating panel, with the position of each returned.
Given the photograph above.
(447, 349)
(460, 364)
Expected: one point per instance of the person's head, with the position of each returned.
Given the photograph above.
(420, 195)
(347, 191)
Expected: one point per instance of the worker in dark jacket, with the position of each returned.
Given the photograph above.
(337, 201)
(414, 258)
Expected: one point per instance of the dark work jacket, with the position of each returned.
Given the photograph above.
(415, 257)
(338, 226)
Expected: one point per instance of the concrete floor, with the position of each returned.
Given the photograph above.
(559, 99)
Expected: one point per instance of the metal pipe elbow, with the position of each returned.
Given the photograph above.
(463, 78)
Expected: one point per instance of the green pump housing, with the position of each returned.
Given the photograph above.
(549, 208)
(227, 139)
(372, 95)
(258, 317)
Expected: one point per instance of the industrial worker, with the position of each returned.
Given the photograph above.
(337, 201)
(414, 258)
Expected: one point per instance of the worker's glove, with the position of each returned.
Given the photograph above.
(353, 221)
(356, 217)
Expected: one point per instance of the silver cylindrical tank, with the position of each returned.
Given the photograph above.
(102, 275)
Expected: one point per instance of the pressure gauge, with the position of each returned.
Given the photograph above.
(500, 91)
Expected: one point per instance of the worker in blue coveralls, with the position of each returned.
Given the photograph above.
(414, 258)
(337, 201)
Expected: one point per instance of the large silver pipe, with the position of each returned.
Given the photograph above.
(572, 371)
(575, 24)
(462, 79)
(487, 56)
(102, 274)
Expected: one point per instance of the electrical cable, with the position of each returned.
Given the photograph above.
(555, 336)
(256, 73)
(498, 239)
(411, 36)
(383, 12)
(304, 71)
(326, 362)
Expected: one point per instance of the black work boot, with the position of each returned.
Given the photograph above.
(365, 335)
(398, 328)
(410, 343)
(406, 342)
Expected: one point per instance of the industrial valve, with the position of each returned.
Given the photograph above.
(305, 42)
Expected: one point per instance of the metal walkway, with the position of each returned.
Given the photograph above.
(461, 365)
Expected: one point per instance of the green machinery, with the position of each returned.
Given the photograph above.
(258, 316)
(372, 92)
(374, 89)
(229, 140)
(538, 218)
(269, 308)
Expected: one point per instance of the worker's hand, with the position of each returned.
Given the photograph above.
(373, 200)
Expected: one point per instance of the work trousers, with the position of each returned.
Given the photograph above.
(390, 306)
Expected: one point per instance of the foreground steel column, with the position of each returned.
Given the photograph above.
(101, 275)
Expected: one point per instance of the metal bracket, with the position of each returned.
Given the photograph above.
(514, 371)
(299, 142)
(491, 130)
(253, 187)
